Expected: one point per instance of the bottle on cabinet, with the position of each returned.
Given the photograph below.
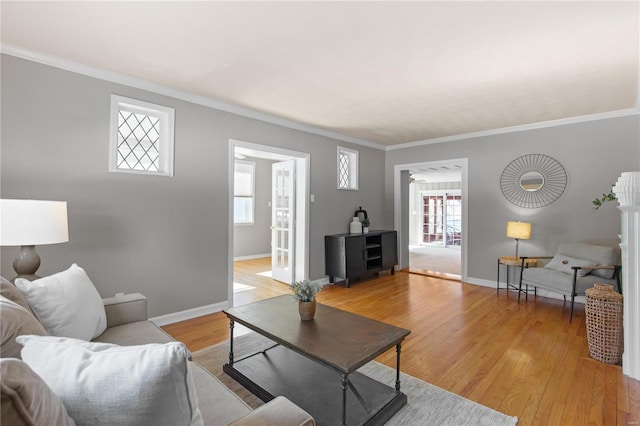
(355, 227)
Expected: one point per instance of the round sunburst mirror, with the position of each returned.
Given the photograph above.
(533, 181)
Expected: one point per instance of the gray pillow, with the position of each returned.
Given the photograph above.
(11, 292)
(26, 398)
(563, 263)
(15, 321)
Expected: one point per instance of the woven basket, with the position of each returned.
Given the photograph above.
(604, 323)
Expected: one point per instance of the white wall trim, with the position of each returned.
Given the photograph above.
(252, 256)
(138, 83)
(541, 292)
(399, 223)
(189, 313)
(525, 127)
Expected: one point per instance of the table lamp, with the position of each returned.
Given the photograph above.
(518, 231)
(27, 223)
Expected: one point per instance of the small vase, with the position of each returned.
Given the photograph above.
(365, 230)
(307, 310)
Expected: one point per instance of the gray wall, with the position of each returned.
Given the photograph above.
(255, 239)
(593, 154)
(164, 237)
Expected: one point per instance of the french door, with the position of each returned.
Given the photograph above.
(442, 219)
(282, 220)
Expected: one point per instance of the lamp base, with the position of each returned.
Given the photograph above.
(26, 263)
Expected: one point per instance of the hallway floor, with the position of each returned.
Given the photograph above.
(440, 261)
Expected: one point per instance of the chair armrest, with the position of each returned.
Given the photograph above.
(277, 412)
(536, 257)
(594, 268)
(126, 308)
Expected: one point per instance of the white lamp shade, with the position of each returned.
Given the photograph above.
(519, 230)
(33, 222)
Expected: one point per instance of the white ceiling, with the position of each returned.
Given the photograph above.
(383, 72)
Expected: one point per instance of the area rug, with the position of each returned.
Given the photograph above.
(427, 404)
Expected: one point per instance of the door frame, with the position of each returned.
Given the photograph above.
(401, 209)
(303, 174)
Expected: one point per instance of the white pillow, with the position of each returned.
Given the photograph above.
(67, 303)
(564, 263)
(106, 384)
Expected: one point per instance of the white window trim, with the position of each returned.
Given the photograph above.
(354, 169)
(253, 193)
(166, 142)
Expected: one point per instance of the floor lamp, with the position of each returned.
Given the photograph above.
(27, 223)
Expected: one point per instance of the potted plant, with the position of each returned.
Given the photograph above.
(365, 225)
(305, 293)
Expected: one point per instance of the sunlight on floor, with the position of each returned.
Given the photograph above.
(265, 274)
(237, 287)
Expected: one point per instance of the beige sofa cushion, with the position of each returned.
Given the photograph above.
(219, 406)
(15, 321)
(26, 398)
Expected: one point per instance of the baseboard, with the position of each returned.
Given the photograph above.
(189, 313)
(540, 292)
(252, 256)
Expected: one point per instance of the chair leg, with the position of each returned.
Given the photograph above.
(573, 292)
(571, 314)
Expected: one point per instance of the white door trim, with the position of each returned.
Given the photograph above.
(303, 167)
(401, 222)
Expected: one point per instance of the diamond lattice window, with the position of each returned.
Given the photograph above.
(347, 169)
(141, 138)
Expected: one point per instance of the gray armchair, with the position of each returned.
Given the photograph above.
(572, 270)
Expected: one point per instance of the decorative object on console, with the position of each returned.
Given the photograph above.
(365, 225)
(518, 231)
(305, 293)
(355, 227)
(533, 181)
(27, 223)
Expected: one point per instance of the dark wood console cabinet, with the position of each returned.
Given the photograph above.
(360, 255)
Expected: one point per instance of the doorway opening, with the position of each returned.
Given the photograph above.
(268, 239)
(430, 215)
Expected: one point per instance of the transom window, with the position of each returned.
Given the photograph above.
(141, 137)
(347, 168)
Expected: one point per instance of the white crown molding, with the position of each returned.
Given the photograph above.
(138, 83)
(268, 118)
(522, 128)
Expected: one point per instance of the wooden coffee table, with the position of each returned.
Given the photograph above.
(314, 363)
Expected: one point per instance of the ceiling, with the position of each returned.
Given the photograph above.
(386, 73)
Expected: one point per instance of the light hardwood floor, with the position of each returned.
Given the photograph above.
(524, 359)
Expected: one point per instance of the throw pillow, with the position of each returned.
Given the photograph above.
(15, 321)
(67, 303)
(26, 398)
(564, 263)
(106, 384)
(8, 290)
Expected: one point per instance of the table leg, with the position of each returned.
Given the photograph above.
(344, 399)
(398, 351)
(231, 324)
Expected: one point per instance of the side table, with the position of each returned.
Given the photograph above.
(515, 262)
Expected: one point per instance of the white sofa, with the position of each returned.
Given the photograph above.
(24, 399)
